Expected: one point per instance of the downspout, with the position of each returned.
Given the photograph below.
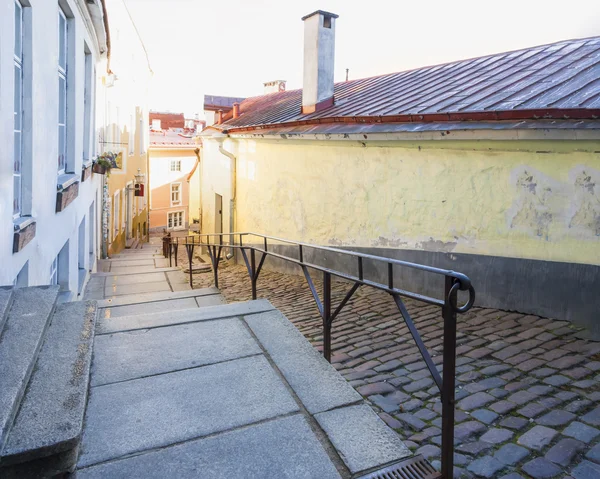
(232, 201)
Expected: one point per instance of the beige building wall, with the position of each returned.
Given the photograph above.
(162, 180)
(516, 199)
(521, 218)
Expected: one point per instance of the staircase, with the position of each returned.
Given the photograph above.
(45, 353)
(180, 385)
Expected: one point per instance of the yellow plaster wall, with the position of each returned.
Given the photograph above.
(537, 200)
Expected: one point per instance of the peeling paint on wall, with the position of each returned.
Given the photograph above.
(437, 245)
(532, 210)
(585, 217)
(484, 198)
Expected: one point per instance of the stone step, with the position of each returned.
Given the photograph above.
(129, 271)
(20, 342)
(144, 250)
(157, 296)
(6, 298)
(172, 306)
(144, 255)
(167, 318)
(49, 423)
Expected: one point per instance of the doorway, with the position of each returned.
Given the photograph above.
(218, 214)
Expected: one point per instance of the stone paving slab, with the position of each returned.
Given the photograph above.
(210, 300)
(127, 289)
(142, 255)
(362, 438)
(318, 385)
(132, 269)
(135, 354)
(51, 415)
(161, 262)
(127, 263)
(100, 274)
(284, 448)
(122, 279)
(143, 309)
(166, 318)
(146, 298)
(146, 413)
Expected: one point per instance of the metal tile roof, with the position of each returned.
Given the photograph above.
(563, 77)
(214, 102)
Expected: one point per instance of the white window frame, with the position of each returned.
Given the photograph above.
(63, 34)
(175, 165)
(54, 271)
(171, 215)
(177, 192)
(18, 112)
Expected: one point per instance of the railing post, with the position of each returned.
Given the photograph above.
(253, 278)
(327, 316)
(190, 252)
(448, 381)
(176, 246)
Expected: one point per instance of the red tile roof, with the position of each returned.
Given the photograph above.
(550, 81)
(173, 139)
(167, 120)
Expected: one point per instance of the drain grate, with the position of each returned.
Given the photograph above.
(414, 468)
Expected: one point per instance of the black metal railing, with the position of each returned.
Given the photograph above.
(453, 282)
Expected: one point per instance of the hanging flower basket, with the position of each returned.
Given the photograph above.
(106, 161)
(101, 167)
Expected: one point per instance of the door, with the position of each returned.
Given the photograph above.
(218, 214)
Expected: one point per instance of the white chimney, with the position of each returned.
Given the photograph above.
(319, 49)
(274, 86)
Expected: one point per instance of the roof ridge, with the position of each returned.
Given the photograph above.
(437, 65)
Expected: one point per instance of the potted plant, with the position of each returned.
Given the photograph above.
(106, 161)
(102, 166)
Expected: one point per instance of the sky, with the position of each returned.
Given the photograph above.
(232, 47)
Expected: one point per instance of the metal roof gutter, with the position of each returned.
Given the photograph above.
(538, 114)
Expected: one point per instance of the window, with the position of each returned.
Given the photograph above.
(175, 194)
(62, 91)
(175, 220)
(156, 125)
(175, 165)
(18, 109)
(54, 271)
(116, 217)
(87, 104)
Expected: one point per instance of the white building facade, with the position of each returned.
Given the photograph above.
(49, 198)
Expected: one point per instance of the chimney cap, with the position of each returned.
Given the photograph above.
(320, 12)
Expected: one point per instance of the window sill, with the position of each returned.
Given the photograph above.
(65, 180)
(86, 169)
(25, 227)
(68, 190)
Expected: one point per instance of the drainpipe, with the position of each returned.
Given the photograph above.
(232, 204)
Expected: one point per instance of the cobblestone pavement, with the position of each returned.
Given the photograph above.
(528, 395)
